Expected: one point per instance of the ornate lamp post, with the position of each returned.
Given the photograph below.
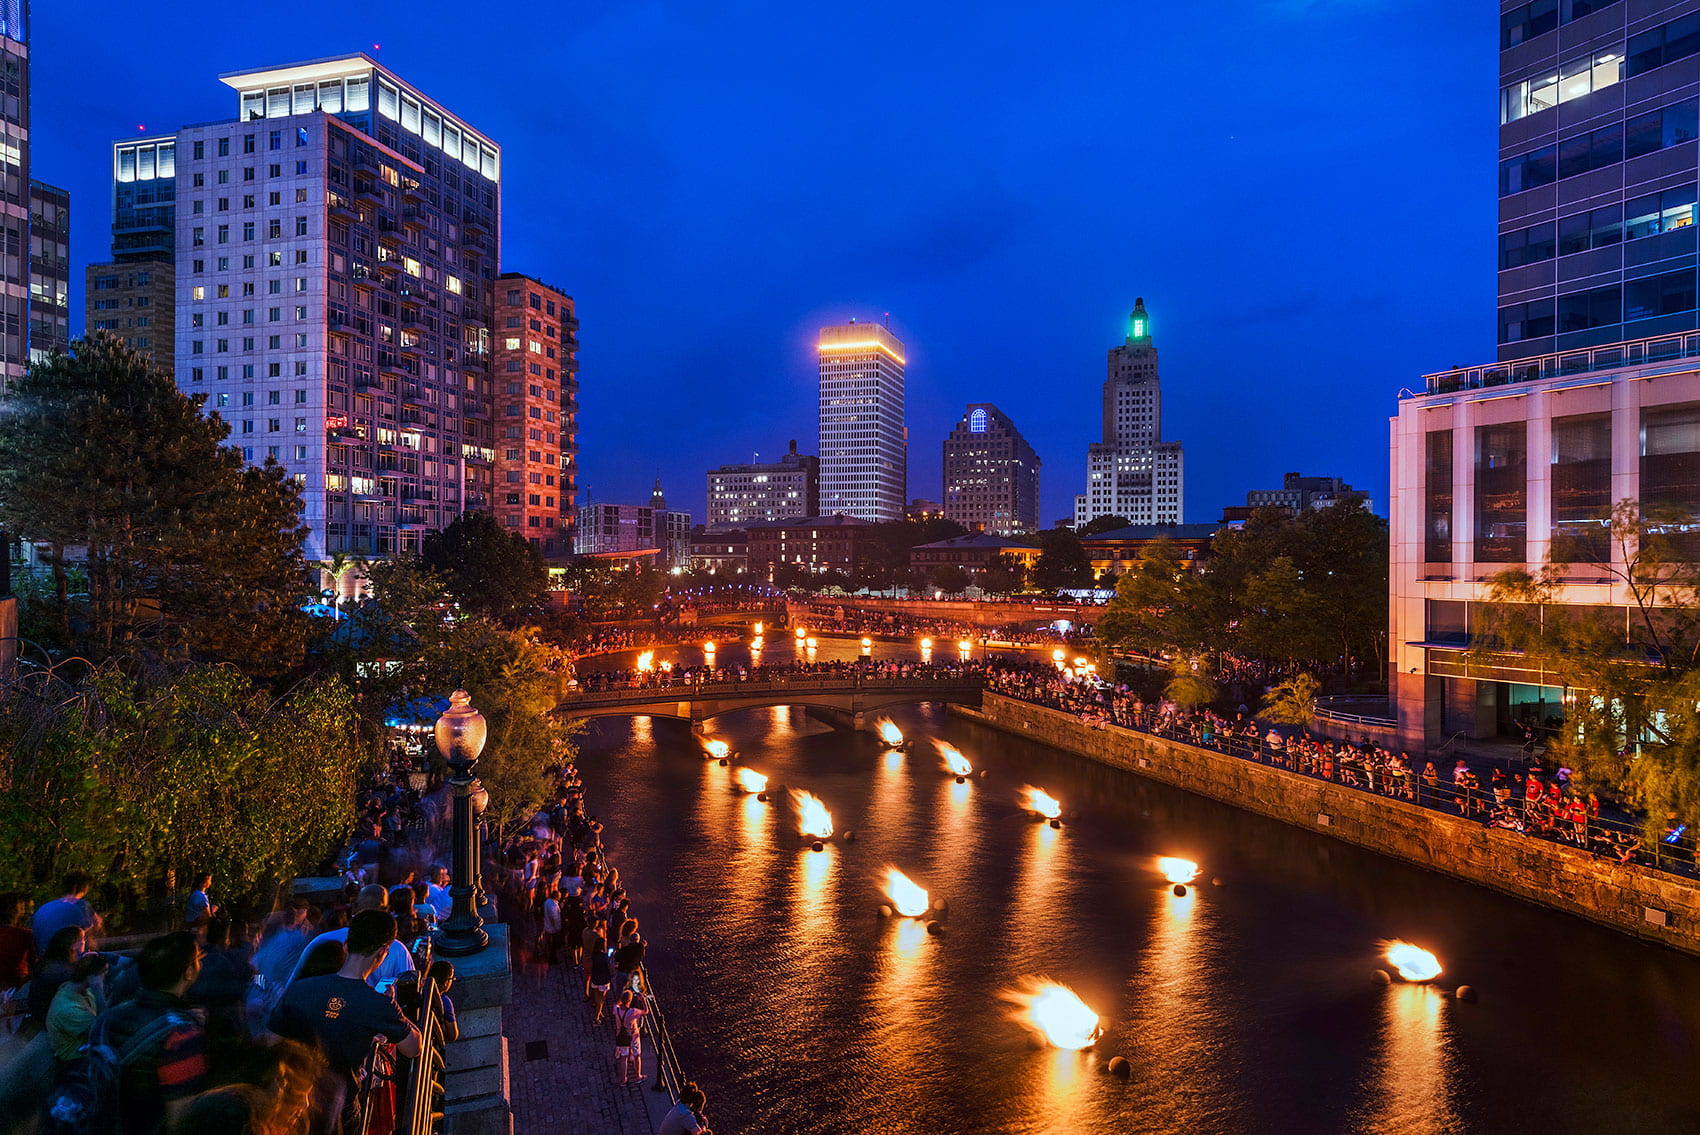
(460, 738)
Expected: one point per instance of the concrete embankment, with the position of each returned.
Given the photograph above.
(1627, 897)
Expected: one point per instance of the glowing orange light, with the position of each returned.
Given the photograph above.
(954, 762)
(751, 781)
(1056, 1013)
(812, 817)
(717, 750)
(907, 897)
(1177, 870)
(760, 628)
(926, 644)
(889, 732)
(1040, 801)
(1413, 962)
(708, 648)
(801, 633)
(867, 642)
(863, 345)
(646, 661)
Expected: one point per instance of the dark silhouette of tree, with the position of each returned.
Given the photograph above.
(485, 567)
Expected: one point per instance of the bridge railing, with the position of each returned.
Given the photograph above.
(681, 688)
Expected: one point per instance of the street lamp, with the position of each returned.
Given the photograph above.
(460, 738)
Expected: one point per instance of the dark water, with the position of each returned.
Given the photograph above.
(1245, 1007)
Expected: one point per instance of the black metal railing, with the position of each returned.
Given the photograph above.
(669, 1071)
(417, 1081)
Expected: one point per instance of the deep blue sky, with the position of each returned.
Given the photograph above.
(1303, 190)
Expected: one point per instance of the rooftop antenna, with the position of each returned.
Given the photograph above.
(888, 321)
(378, 51)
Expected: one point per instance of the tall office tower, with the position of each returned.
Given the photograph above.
(764, 490)
(1595, 398)
(1133, 472)
(536, 372)
(134, 295)
(337, 247)
(863, 442)
(50, 269)
(991, 474)
(14, 189)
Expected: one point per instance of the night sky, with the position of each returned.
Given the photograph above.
(1302, 190)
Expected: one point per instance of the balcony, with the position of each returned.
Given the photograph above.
(390, 234)
(1655, 356)
(342, 209)
(363, 275)
(414, 217)
(369, 192)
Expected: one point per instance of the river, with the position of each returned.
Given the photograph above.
(1242, 1007)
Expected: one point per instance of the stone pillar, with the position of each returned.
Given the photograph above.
(475, 1084)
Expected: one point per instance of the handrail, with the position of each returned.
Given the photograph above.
(776, 684)
(1557, 364)
(419, 1107)
(670, 1073)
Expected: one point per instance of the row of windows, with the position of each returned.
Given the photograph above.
(220, 346)
(1643, 134)
(1645, 216)
(1676, 40)
(1541, 16)
(274, 231)
(1670, 294)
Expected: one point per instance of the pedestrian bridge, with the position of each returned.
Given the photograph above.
(842, 698)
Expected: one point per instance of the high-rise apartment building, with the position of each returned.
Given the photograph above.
(863, 442)
(763, 490)
(1596, 397)
(14, 189)
(134, 295)
(536, 374)
(50, 269)
(336, 253)
(1133, 473)
(991, 474)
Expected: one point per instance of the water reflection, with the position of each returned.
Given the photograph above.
(1410, 1085)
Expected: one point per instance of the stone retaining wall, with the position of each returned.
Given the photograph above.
(1636, 900)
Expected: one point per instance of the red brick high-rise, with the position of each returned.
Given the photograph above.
(536, 377)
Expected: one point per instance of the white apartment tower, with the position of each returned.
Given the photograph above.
(863, 442)
(1133, 472)
(336, 249)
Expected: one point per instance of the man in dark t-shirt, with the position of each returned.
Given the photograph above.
(156, 1033)
(340, 1014)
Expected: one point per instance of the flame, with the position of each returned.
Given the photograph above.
(1055, 1013)
(1042, 802)
(1057, 655)
(750, 780)
(965, 646)
(907, 897)
(889, 732)
(708, 648)
(866, 642)
(954, 762)
(717, 750)
(801, 633)
(811, 644)
(926, 644)
(1177, 870)
(760, 628)
(812, 817)
(646, 661)
(1413, 962)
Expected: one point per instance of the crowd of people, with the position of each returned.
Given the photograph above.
(683, 676)
(558, 880)
(833, 619)
(1530, 800)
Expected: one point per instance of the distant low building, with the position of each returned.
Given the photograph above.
(817, 543)
(1301, 494)
(974, 552)
(764, 490)
(922, 509)
(627, 529)
(1120, 549)
(724, 553)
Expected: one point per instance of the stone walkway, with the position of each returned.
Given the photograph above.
(561, 1069)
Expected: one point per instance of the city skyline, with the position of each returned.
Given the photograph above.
(615, 197)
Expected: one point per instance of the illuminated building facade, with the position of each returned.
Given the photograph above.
(337, 248)
(134, 295)
(815, 543)
(14, 190)
(1133, 473)
(863, 442)
(991, 474)
(50, 269)
(763, 490)
(536, 374)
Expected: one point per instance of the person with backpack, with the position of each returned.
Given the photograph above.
(628, 1037)
(144, 1060)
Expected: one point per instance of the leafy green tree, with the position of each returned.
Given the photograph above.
(1192, 686)
(952, 579)
(1101, 524)
(184, 546)
(144, 776)
(1292, 702)
(487, 568)
(1631, 673)
(1003, 576)
(1159, 605)
(1062, 561)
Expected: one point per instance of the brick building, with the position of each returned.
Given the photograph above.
(536, 375)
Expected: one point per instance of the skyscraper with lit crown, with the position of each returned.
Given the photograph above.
(1133, 472)
(863, 441)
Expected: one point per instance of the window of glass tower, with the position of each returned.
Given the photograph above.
(1670, 474)
(1437, 497)
(1548, 89)
(1581, 489)
(1502, 509)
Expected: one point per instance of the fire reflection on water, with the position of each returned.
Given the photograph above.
(1410, 1088)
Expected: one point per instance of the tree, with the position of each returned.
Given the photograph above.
(1631, 673)
(952, 579)
(1159, 605)
(1101, 524)
(1005, 574)
(1062, 561)
(486, 568)
(1292, 702)
(1192, 685)
(186, 547)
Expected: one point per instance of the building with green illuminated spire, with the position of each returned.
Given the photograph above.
(1133, 472)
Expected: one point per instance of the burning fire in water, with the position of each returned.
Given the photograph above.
(954, 762)
(1040, 801)
(889, 732)
(1177, 870)
(646, 661)
(1413, 962)
(751, 781)
(1055, 1013)
(813, 819)
(717, 750)
(907, 897)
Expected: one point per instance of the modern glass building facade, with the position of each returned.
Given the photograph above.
(863, 441)
(14, 189)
